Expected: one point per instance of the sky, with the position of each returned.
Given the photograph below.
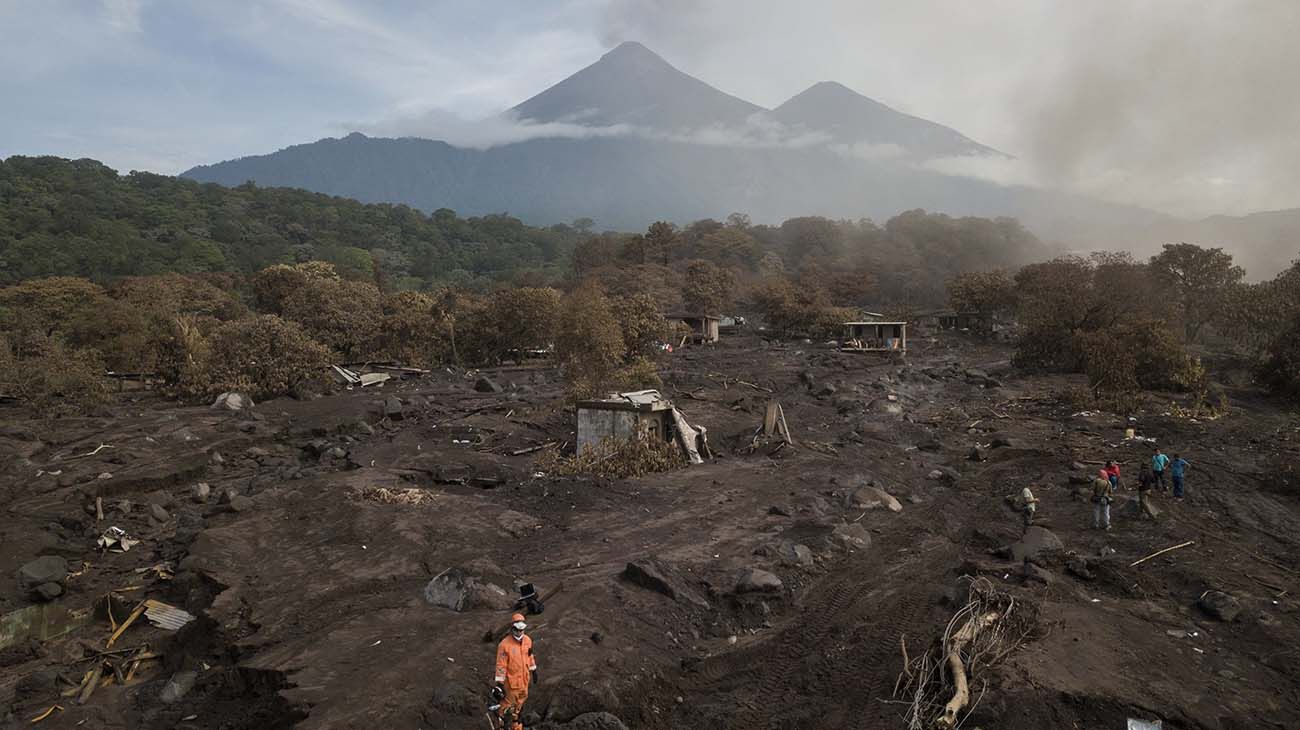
(1183, 106)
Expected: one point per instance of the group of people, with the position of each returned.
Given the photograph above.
(1151, 477)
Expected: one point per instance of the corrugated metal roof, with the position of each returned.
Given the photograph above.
(166, 616)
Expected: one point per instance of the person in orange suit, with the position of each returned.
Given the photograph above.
(516, 670)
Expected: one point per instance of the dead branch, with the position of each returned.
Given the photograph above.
(1161, 552)
(961, 691)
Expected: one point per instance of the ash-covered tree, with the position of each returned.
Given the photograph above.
(708, 288)
(339, 313)
(1279, 370)
(1200, 279)
(661, 242)
(985, 292)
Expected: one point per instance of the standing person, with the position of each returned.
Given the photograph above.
(1031, 505)
(1146, 482)
(516, 669)
(1176, 470)
(1158, 464)
(1102, 491)
(1112, 474)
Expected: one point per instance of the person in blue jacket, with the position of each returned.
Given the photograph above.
(1158, 464)
(1177, 468)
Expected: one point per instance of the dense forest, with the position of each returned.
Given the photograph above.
(79, 218)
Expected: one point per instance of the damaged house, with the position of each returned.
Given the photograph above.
(705, 328)
(874, 336)
(627, 415)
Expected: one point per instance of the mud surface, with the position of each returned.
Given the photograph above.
(308, 560)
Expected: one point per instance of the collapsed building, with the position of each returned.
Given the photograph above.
(639, 414)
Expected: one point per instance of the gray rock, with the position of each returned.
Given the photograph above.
(596, 721)
(178, 686)
(851, 536)
(1220, 605)
(651, 574)
(875, 498)
(338, 452)
(756, 580)
(393, 408)
(459, 591)
(795, 554)
(1034, 574)
(240, 503)
(487, 385)
(825, 390)
(47, 591)
(999, 441)
(200, 492)
(158, 512)
(232, 401)
(35, 576)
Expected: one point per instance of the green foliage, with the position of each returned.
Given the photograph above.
(80, 218)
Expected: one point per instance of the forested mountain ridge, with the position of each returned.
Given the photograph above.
(81, 218)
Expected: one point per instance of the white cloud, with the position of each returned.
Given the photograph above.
(123, 15)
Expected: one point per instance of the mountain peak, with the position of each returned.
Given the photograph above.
(632, 49)
(633, 85)
(852, 118)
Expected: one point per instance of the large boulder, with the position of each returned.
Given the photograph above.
(790, 553)
(1033, 544)
(459, 591)
(596, 721)
(43, 577)
(756, 580)
(232, 401)
(574, 697)
(487, 385)
(1220, 605)
(876, 498)
(655, 575)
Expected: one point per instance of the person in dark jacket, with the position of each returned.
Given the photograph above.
(1146, 482)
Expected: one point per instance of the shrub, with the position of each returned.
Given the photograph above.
(412, 331)
(54, 380)
(263, 356)
(615, 458)
(1280, 369)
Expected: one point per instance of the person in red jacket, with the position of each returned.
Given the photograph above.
(516, 669)
(1112, 474)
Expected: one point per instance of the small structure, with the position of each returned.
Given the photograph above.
(972, 321)
(704, 327)
(874, 336)
(627, 415)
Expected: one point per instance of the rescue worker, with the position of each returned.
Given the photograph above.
(516, 670)
(1101, 496)
(1158, 463)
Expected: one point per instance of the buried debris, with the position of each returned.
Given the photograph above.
(116, 540)
(936, 684)
(166, 616)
